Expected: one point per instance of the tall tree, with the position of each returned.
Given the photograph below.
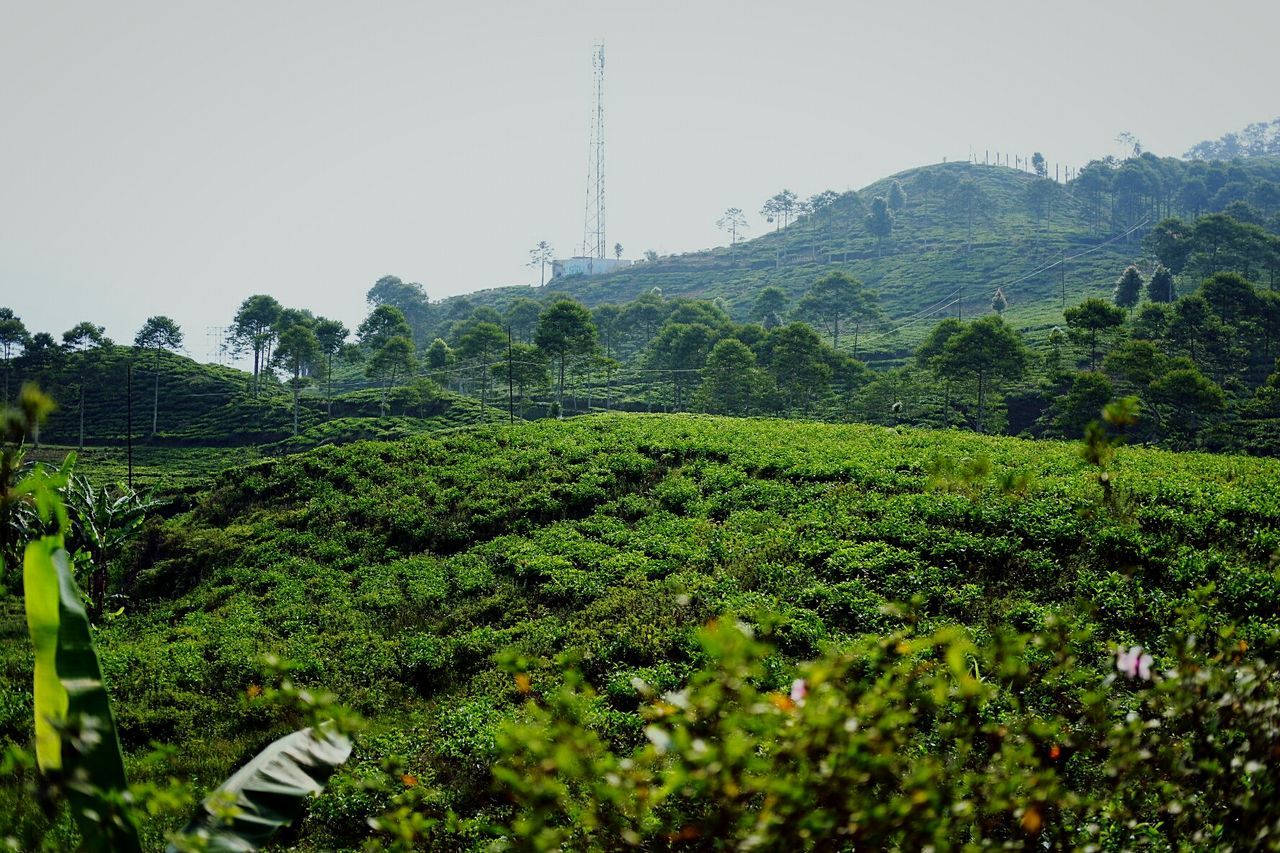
(539, 256)
(987, 351)
(835, 299)
(729, 379)
(733, 221)
(393, 359)
(1091, 322)
(769, 307)
(564, 331)
(296, 351)
(680, 349)
(617, 251)
(879, 222)
(331, 336)
(522, 317)
(13, 337)
(1128, 288)
(930, 355)
(408, 296)
(796, 361)
(254, 329)
(1039, 164)
(780, 208)
(970, 200)
(157, 334)
(82, 342)
(897, 198)
(999, 302)
(1160, 285)
(483, 344)
(383, 323)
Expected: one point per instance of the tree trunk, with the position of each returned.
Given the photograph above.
(81, 445)
(155, 397)
(982, 400)
(296, 393)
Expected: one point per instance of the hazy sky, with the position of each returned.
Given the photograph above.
(176, 157)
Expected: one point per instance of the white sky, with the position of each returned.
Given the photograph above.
(175, 157)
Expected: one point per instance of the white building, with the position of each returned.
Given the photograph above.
(587, 266)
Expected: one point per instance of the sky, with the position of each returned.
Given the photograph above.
(175, 157)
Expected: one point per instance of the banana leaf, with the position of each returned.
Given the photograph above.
(75, 729)
(268, 793)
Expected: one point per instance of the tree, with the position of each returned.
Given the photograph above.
(897, 198)
(999, 303)
(1136, 361)
(733, 221)
(297, 350)
(796, 362)
(770, 307)
(331, 336)
(539, 256)
(1091, 321)
(1191, 321)
(969, 199)
(728, 379)
(1040, 195)
(522, 317)
(987, 350)
(1185, 398)
(13, 337)
(409, 297)
(525, 366)
(780, 208)
(650, 255)
(1090, 392)
(1160, 285)
(608, 319)
(838, 298)
(879, 221)
(157, 334)
(643, 315)
(254, 329)
(392, 359)
(1039, 164)
(680, 349)
(1128, 288)
(565, 330)
(484, 343)
(383, 323)
(81, 341)
(617, 251)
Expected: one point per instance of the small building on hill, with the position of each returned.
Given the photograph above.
(587, 266)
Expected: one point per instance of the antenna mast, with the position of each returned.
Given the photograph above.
(593, 240)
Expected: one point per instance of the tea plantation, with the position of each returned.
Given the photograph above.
(398, 575)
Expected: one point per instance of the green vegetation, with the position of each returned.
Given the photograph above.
(397, 574)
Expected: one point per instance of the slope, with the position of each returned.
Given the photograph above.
(396, 573)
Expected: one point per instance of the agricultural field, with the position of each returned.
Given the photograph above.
(413, 578)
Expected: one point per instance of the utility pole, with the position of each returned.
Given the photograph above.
(128, 438)
(511, 400)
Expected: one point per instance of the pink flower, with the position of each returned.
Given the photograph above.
(798, 691)
(1134, 663)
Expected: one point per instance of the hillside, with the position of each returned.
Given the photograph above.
(211, 405)
(932, 265)
(395, 573)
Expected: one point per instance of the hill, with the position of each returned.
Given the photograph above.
(1044, 244)
(395, 574)
(212, 405)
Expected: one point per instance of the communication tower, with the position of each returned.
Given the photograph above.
(593, 239)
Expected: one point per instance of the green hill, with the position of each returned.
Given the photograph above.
(933, 265)
(211, 405)
(395, 573)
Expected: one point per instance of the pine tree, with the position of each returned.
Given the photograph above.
(1128, 288)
